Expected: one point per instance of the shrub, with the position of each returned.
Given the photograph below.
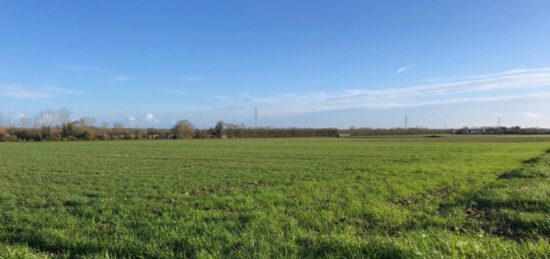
(4, 135)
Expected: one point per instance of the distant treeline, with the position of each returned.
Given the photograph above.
(57, 125)
(184, 130)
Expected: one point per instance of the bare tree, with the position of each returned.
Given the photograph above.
(24, 121)
(85, 125)
(105, 131)
(86, 121)
(63, 116)
(183, 129)
(118, 130)
(46, 118)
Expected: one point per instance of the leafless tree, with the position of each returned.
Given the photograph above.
(183, 129)
(24, 121)
(63, 116)
(86, 121)
(46, 118)
(105, 131)
(118, 130)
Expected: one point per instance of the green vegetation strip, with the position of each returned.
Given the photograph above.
(285, 198)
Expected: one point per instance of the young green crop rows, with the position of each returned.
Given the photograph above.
(275, 198)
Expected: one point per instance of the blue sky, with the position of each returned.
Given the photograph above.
(302, 63)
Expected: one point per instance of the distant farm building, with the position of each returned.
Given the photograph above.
(474, 131)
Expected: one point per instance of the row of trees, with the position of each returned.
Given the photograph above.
(184, 129)
(54, 126)
(501, 130)
(393, 131)
(74, 131)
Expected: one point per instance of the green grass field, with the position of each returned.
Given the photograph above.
(379, 197)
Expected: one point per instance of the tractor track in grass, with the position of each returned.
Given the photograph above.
(502, 209)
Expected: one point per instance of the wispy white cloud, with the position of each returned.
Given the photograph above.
(414, 96)
(23, 93)
(531, 115)
(498, 98)
(133, 121)
(20, 116)
(222, 98)
(59, 90)
(122, 78)
(308, 104)
(43, 92)
(151, 118)
(405, 68)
